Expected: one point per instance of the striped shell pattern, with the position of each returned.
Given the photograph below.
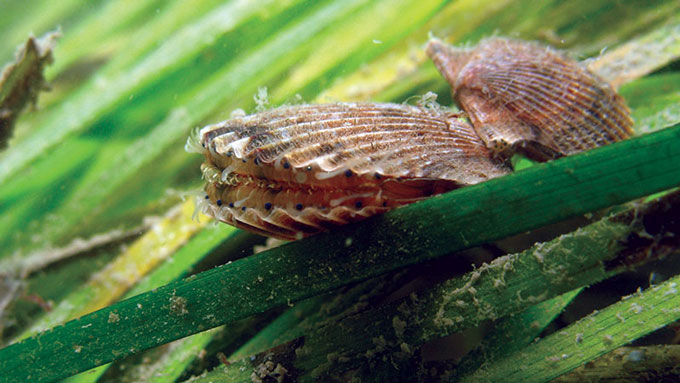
(521, 96)
(298, 170)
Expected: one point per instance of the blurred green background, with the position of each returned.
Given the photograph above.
(102, 152)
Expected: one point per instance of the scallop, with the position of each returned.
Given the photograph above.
(524, 97)
(298, 170)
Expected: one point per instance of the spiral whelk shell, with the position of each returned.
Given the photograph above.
(298, 170)
(521, 96)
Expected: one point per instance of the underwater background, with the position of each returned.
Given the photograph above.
(97, 203)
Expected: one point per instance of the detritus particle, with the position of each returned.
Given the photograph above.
(399, 326)
(178, 305)
(113, 317)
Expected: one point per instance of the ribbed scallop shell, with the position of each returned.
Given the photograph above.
(298, 170)
(523, 96)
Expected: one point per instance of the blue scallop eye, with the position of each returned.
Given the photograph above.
(358, 204)
(348, 173)
(298, 206)
(219, 202)
(268, 205)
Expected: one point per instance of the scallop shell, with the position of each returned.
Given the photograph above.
(521, 96)
(299, 170)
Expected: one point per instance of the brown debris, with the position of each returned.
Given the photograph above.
(22, 80)
(656, 231)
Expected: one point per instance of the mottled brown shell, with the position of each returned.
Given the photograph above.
(298, 170)
(526, 97)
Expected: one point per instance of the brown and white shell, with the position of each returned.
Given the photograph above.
(294, 171)
(521, 96)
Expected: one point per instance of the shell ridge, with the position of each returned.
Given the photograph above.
(352, 143)
(301, 139)
(541, 98)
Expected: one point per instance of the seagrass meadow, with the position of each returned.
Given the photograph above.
(562, 271)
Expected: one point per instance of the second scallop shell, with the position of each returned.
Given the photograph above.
(294, 171)
(521, 96)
